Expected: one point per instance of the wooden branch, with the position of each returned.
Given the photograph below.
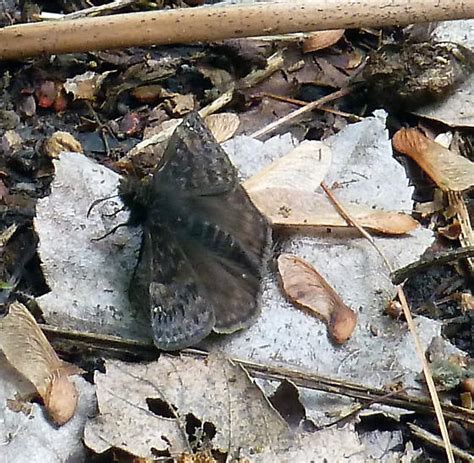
(217, 23)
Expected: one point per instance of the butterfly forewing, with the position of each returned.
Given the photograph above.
(193, 163)
(234, 214)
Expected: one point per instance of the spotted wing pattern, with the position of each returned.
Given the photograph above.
(166, 283)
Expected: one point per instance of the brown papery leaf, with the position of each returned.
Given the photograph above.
(29, 352)
(300, 210)
(306, 288)
(322, 39)
(213, 390)
(85, 86)
(450, 171)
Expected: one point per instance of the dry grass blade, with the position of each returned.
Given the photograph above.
(411, 325)
(466, 237)
(297, 113)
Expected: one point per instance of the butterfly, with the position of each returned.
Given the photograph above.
(204, 246)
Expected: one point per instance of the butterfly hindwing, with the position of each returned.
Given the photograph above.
(166, 284)
(233, 289)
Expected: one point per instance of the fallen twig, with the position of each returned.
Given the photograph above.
(117, 346)
(188, 25)
(442, 258)
(349, 116)
(466, 237)
(436, 441)
(295, 114)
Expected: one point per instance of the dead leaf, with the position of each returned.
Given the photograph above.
(303, 211)
(85, 86)
(11, 141)
(47, 92)
(451, 231)
(198, 457)
(27, 106)
(306, 288)
(450, 171)
(59, 142)
(147, 408)
(468, 385)
(178, 104)
(221, 79)
(286, 399)
(147, 93)
(322, 39)
(29, 352)
(467, 302)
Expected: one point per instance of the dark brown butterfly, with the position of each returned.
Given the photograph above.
(204, 244)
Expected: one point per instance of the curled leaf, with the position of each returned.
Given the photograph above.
(306, 288)
(29, 352)
(59, 142)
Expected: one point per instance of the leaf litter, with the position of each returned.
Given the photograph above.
(327, 244)
(187, 404)
(282, 335)
(26, 348)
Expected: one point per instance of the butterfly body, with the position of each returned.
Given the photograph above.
(204, 243)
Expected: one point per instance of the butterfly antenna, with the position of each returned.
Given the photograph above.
(98, 201)
(112, 231)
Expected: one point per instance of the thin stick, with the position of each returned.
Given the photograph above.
(441, 258)
(466, 237)
(295, 114)
(115, 345)
(411, 325)
(351, 117)
(99, 10)
(436, 441)
(189, 25)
